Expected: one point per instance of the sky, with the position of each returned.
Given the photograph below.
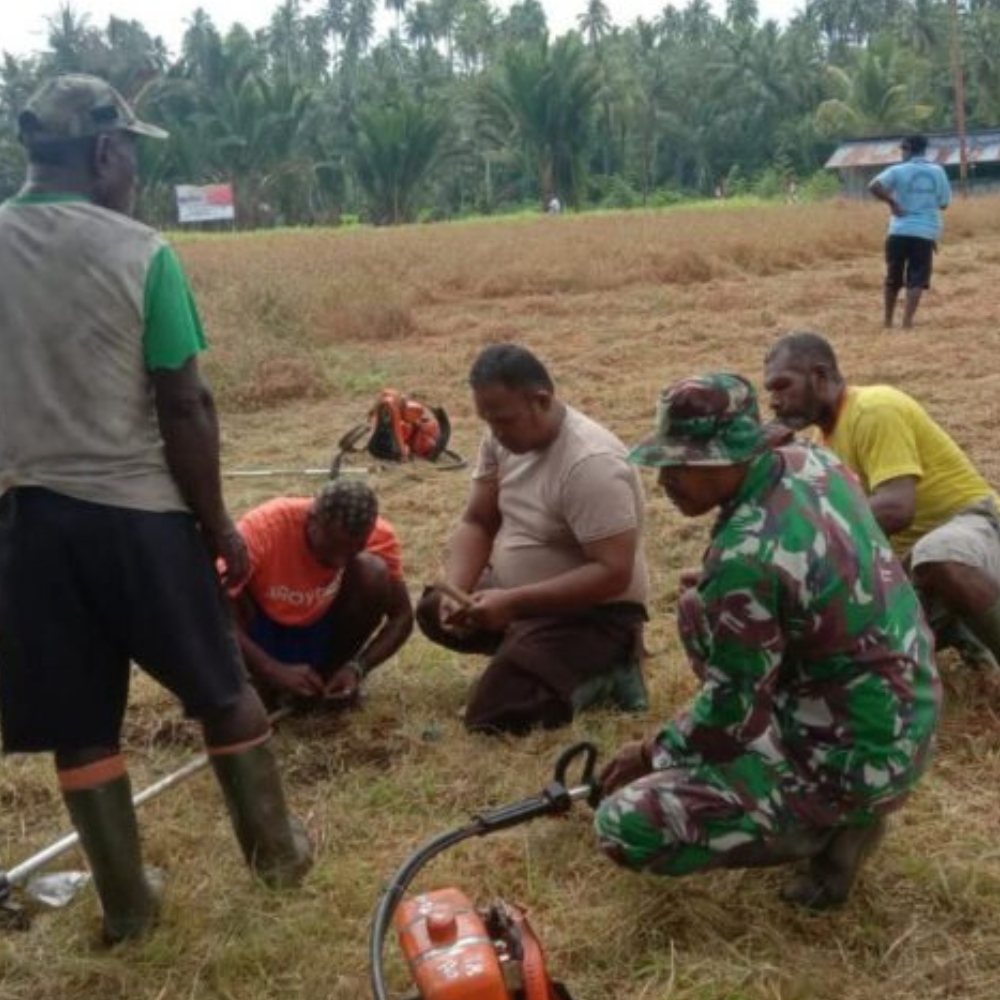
(23, 22)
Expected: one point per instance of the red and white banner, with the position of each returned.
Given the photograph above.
(209, 203)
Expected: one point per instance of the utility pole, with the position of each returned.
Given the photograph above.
(958, 85)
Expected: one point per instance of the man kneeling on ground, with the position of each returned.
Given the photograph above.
(819, 695)
(551, 542)
(325, 601)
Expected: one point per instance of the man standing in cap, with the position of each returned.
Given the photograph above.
(819, 696)
(111, 507)
(325, 601)
(916, 191)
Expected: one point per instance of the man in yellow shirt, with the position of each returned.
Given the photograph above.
(941, 515)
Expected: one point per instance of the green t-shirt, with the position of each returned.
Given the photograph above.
(173, 331)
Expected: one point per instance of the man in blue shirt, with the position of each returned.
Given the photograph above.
(916, 192)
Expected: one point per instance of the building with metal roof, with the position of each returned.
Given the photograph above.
(857, 161)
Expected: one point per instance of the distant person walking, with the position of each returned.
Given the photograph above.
(916, 191)
(111, 509)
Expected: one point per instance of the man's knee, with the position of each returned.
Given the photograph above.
(959, 587)
(244, 719)
(366, 581)
(631, 836)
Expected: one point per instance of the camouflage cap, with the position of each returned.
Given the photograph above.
(76, 106)
(704, 420)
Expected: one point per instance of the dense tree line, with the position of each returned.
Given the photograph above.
(461, 108)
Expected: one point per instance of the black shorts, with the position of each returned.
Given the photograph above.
(909, 262)
(86, 588)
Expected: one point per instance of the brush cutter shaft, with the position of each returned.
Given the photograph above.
(264, 473)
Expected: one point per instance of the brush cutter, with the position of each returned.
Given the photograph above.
(58, 888)
(458, 951)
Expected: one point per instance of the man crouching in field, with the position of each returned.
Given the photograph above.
(819, 694)
(325, 601)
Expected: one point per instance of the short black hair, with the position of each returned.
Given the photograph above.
(915, 144)
(804, 349)
(509, 365)
(350, 503)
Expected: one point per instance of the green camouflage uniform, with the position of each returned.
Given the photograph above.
(819, 694)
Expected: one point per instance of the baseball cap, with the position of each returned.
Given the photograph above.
(704, 420)
(75, 106)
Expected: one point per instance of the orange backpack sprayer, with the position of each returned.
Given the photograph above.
(458, 951)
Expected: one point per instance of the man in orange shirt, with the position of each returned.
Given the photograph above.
(325, 602)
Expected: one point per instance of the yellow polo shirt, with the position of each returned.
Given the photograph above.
(882, 434)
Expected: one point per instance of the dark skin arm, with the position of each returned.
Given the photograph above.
(189, 427)
(884, 195)
(894, 504)
(471, 544)
(605, 574)
(395, 630)
(298, 679)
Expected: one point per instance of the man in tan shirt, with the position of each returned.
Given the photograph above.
(550, 545)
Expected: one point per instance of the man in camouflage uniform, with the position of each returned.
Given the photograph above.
(819, 695)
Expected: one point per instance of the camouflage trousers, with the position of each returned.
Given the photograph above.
(689, 818)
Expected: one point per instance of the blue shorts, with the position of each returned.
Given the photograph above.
(295, 643)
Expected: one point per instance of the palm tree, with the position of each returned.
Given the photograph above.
(70, 38)
(870, 100)
(334, 17)
(446, 14)
(422, 25)
(398, 6)
(543, 98)
(398, 144)
(476, 32)
(595, 22)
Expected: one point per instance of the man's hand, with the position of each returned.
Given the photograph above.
(629, 764)
(226, 544)
(688, 578)
(344, 685)
(298, 679)
(492, 610)
(897, 209)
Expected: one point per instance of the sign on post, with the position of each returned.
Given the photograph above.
(207, 203)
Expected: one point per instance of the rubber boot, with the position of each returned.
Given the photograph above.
(834, 870)
(629, 688)
(104, 818)
(274, 843)
(780, 850)
(624, 687)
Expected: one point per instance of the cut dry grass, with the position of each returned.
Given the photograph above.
(306, 326)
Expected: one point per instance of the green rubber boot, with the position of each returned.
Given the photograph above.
(274, 843)
(104, 818)
(625, 688)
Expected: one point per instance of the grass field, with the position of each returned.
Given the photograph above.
(305, 327)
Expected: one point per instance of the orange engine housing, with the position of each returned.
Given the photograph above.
(448, 948)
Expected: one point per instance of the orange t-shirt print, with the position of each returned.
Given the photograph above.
(285, 581)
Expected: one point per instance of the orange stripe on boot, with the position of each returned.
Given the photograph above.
(232, 748)
(100, 772)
